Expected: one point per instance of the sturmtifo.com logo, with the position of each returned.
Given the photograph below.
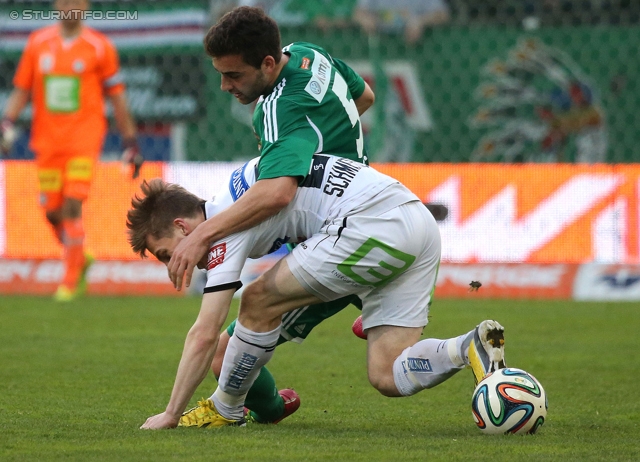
(74, 14)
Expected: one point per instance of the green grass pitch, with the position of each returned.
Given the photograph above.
(77, 381)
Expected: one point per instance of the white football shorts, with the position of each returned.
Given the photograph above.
(390, 261)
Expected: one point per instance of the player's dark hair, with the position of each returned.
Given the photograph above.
(152, 214)
(245, 31)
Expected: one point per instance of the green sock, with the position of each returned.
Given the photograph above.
(263, 399)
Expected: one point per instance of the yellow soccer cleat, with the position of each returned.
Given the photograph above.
(64, 294)
(486, 351)
(206, 415)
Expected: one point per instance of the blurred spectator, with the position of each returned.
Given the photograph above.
(539, 13)
(409, 17)
(325, 14)
(280, 10)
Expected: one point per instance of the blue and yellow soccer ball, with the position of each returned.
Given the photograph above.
(509, 401)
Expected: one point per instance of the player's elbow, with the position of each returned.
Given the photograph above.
(280, 194)
(284, 198)
(366, 100)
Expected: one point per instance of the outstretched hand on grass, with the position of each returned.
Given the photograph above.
(186, 256)
(159, 421)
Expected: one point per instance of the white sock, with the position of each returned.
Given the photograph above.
(427, 364)
(246, 353)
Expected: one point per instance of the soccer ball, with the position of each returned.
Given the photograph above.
(509, 401)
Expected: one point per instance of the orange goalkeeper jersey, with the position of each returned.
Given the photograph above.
(68, 79)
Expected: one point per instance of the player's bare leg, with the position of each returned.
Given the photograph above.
(384, 345)
(256, 334)
(54, 217)
(76, 262)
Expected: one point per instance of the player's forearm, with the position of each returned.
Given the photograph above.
(366, 100)
(124, 121)
(199, 350)
(263, 200)
(18, 99)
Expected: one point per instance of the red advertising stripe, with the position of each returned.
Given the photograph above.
(42, 277)
(552, 281)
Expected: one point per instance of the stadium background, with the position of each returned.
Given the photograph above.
(519, 117)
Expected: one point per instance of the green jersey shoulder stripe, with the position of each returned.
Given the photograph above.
(270, 109)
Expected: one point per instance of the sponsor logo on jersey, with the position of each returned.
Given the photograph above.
(78, 66)
(316, 173)
(237, 184)
(46, 62)
(320, 78)
(315, 87)
(216, 255)
(305, 63)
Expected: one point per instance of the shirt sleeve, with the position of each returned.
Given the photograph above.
(23, 78)
(111, 77)
(353, 79)
(289, 143)
(225, 261)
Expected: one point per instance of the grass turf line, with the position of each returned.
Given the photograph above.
(78, 380)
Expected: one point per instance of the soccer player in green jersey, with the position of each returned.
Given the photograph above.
(307, 103)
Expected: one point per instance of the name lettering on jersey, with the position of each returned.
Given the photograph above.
(237, 184)
(340, 176)
(216, 255)
(305, 63)
(320, 77)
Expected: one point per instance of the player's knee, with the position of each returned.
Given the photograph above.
(253, 296)
(254, 302)
(54, 217)
(384, 383)
(72, 208)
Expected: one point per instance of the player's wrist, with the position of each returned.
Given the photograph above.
(206, 232)
(131, 155)
(8, 135)
(130, 142)
(173, 413)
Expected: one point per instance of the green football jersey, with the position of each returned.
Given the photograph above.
(311, 110)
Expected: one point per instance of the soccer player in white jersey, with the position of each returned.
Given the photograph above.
(308, 102)
(359, 232)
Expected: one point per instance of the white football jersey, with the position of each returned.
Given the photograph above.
(335, 188)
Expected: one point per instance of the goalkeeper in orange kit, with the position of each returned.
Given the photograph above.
(66, 70)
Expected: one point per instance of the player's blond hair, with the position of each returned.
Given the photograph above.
(152, 213)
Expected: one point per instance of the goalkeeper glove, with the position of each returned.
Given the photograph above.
(131, 156)
(8, 135)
